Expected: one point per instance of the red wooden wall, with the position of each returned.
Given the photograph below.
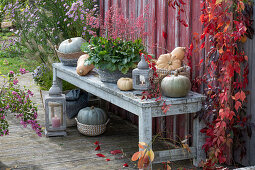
(163, 19)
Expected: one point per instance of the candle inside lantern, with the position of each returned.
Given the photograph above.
(142, 79)
(55, 121)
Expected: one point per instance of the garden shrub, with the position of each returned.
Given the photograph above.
(42, 25)
(16, 100)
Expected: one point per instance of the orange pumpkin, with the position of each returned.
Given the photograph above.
(179, 52)
(168, 62)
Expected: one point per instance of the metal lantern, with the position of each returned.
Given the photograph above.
(55, 108)
(141, 75)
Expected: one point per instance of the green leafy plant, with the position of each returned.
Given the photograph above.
(43, 77)
(113, 54)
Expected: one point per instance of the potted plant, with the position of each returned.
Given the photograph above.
(113, 58)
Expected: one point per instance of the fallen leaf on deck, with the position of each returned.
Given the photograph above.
(115, 152)
(100, 155)
(125, 165)
(97, 148)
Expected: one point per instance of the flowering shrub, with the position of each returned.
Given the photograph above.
(13, 99)
(116, 25)
(46, 23)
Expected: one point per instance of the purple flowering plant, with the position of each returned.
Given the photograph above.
(16, 100)
(52, 21)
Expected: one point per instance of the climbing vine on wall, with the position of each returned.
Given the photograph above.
(226, 24)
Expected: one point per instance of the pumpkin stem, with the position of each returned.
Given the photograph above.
(92, 107)
(70, 40)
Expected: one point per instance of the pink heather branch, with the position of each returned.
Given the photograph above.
(116, 25)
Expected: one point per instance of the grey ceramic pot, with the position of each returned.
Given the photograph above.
(112, 77)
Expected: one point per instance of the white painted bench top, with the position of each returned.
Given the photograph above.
(110, 92)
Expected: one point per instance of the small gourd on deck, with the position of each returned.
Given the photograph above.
(125, 84)
(92, 116)
(82, 69)
(175, 86)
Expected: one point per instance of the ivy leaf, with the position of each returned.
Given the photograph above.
(237, 96)
(96, 143)
(242, 96)
(237, 105)
(107, 160)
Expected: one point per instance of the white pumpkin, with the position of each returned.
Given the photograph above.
(71, 45)
(175, 86)
(125, 84)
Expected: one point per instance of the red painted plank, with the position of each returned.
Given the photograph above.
(170, 29)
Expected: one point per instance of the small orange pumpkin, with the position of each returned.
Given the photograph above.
(168, 62)
(179, 52)
(125, 84)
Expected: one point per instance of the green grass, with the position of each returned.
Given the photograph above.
(14, 64)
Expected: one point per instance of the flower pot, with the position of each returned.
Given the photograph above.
(112, 77)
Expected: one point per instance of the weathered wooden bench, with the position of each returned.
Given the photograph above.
(144, 109)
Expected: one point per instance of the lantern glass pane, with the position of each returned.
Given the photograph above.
(142, 80)
(55, 114)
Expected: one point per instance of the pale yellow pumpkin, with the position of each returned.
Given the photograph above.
(168, 62)
(179, 53)
(82, 69)
(125, 84)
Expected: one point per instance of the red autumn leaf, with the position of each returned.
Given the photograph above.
(246, 58)
(96, 143)
(183, 3)
(203, 45)
(115, 152)
(125, 165)
(237, 67)
(100, 155)
(107, 160)
(242, 96)
(164, 34)
(201, 61)
(237, 105)
(237, 96)
(191, 46)
(97, 148)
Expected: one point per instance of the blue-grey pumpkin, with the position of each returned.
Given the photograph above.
(92, 116)
(71, 45)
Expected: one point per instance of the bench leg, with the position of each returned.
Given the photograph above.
(198, 141)
(145, 127)
(58, 80)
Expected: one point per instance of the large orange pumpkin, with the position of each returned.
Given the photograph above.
(168, 62)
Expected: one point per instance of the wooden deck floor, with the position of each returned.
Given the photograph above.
(23, 149)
